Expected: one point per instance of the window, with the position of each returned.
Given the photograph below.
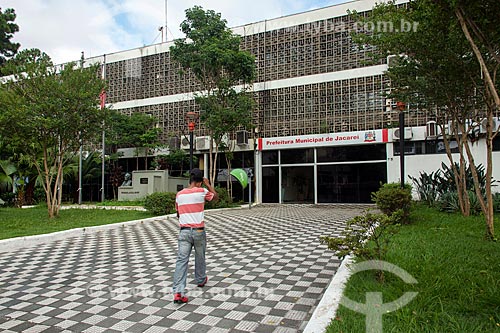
(411, 148)
(295, 156)
(352, 153)
(270, 157)
(350, 183)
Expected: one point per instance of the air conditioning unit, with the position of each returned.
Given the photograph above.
(390, 105)
(185, 143)
(203, 143)
(391, 60)
(241, 138)
(174, 143)
(484, 122)
(225, 140)
(408, 135)
(471, 127)
(432, 130)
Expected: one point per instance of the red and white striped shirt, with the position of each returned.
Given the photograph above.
(190, 204)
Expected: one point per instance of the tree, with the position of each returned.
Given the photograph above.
(437, 70)
(137, 130)
(479, 24)
(47, 110)
(7, 29)
(211, 52)
(175, 162)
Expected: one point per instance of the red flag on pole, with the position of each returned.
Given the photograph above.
(102, 96)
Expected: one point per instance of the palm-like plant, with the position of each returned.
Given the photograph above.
(7, 171)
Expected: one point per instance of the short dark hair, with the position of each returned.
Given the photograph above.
(195, 176)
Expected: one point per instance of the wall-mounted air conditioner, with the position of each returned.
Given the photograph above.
(241, 138)
(408, 134)
(203, 143)
(431, 130)
(185, 143)
(391, 60)
(174, 143)
(484, 122)
(471, 127)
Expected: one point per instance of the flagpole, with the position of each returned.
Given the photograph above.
(166, 21)
(103, 104)
(80, 194)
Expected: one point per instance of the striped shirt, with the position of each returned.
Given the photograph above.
(190, 205)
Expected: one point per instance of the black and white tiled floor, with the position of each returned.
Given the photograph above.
(266, 268)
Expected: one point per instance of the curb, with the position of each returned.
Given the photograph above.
(26, 241)
(16, 243)
(327, 307)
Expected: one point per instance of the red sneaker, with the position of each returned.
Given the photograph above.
(179, 299)
(201, 285)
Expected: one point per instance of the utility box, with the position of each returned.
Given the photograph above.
(145, 182)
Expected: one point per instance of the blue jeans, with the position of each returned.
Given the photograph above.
(187, 239)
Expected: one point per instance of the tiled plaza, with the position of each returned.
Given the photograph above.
(267, 272)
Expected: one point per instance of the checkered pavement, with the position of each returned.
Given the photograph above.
(266, 269)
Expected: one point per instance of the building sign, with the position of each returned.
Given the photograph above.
(322, 140)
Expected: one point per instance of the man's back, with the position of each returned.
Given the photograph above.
(190, 204)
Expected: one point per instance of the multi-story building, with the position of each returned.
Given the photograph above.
(324, 130)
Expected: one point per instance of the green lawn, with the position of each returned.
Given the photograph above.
(15, 222)
(458, 275)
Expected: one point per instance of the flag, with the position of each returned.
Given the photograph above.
(102, 97)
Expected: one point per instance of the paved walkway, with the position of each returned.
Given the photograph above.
(267, 271)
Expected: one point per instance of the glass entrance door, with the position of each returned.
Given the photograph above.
(297, 184)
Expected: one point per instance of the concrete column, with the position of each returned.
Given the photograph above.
(205, 165)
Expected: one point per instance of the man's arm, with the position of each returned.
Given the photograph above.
(211, 189)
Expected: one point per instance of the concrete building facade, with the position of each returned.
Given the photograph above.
(324, 129)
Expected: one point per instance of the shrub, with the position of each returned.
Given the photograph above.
(223, 202)
(427, 187)
(496, 202)
(391, 198)
(367, 237)
(160, 203)
(39, 195)
(9, 198)
(439, 188)
(449, 202)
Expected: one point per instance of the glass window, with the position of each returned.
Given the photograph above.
(270, 157)
(270, 185)
(438, 147)
(411, 148)
(295, 156)
(352, 153)
(354, 183)
(496, 144)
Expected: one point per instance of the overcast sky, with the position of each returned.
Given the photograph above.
(65, 28)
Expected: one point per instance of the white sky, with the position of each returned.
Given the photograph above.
(65, 28)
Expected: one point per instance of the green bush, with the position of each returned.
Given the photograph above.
(39, 195)
(9, 198)
(160, 203)
(367, 237)
(223, 202)
(391, 198)
(448, 202)
(496, 202)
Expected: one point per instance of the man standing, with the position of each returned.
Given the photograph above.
(190, 205)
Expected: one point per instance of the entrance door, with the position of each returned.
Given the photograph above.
(297, 184)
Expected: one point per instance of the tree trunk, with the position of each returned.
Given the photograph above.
(490, 218)
(460, 181)
(487, 206)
